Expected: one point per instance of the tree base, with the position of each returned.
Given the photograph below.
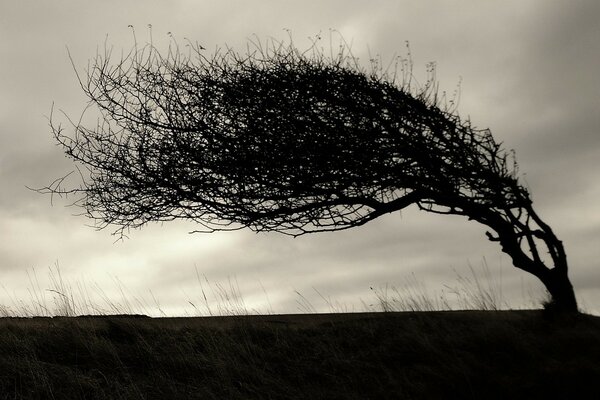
(562, 300)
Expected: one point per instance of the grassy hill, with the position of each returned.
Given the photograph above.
(406, 355)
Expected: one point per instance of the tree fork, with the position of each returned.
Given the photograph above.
(556, 279)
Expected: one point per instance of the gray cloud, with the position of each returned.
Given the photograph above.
(529, 73)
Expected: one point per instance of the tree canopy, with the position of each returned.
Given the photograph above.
(278, 139)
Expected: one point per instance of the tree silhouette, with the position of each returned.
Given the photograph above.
(276, 139)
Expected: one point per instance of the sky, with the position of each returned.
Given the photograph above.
(528, 71)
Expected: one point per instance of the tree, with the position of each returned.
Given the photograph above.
(294, 142)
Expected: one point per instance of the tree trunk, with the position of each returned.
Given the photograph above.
(556, 280)
(518, 240)
(559, 286)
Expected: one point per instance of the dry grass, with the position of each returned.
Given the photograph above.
(421, 353)
(59, 297)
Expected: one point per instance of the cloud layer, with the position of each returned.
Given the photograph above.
(529, 72)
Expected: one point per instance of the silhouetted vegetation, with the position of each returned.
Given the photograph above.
(279, 139)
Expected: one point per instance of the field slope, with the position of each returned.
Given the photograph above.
(409, 355)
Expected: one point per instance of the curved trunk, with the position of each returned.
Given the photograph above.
(519, 238)
(526, 238)
(556, 280)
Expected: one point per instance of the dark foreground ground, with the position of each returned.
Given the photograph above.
(431, 355)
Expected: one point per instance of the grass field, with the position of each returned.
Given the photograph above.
(407, 355)
(408, 350)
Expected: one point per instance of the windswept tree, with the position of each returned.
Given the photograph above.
(276, 139)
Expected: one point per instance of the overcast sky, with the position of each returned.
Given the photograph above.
(529, 72)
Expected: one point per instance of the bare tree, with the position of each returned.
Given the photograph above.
(276, 139)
